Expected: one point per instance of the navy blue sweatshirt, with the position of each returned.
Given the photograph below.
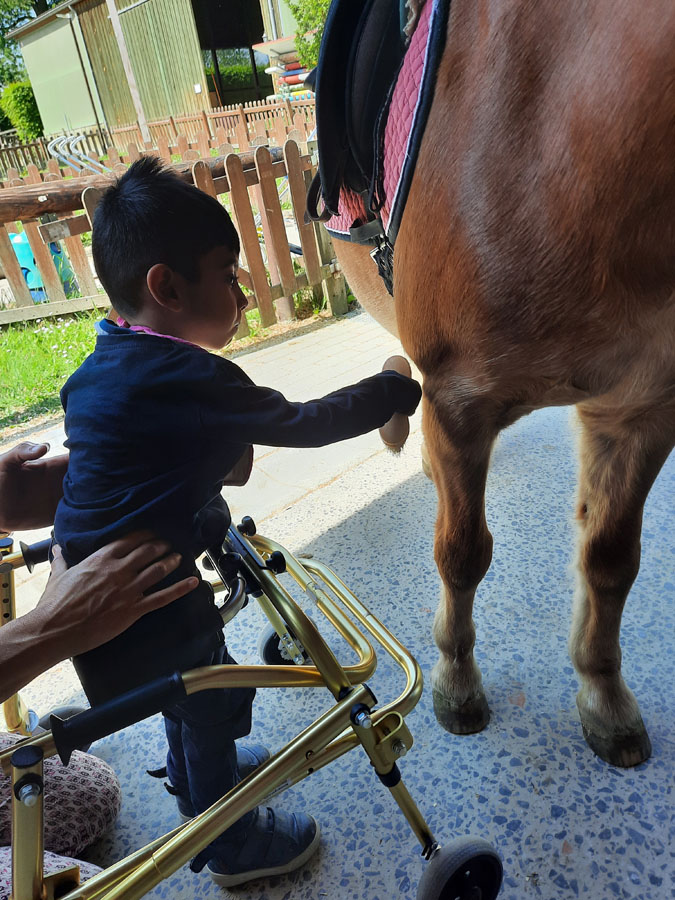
(154, 426)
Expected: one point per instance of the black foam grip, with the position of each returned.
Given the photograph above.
(115, 714)
(35, 553)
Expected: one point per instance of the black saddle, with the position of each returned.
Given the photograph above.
(361, 51)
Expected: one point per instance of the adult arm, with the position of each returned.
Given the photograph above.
(261, 415)
(30, 486)
(87, 605)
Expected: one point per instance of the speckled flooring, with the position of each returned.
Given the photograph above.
(566, 824)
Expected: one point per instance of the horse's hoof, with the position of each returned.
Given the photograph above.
(628, 747)
(625, 750)
(461, 718)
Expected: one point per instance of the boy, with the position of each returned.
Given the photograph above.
(154, 424)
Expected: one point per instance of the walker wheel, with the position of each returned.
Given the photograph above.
(273, 653)
(466, 869)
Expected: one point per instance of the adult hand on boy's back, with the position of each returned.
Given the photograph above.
(87, 605)
(30, 487)
(104, 594)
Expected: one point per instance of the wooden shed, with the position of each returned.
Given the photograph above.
(85, 72)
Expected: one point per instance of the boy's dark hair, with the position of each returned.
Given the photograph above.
(151, 216)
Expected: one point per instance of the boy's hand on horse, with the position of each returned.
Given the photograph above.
(395, 432)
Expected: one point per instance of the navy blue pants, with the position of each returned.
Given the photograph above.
(202, 758)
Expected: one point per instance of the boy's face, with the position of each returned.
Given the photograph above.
(215, 303)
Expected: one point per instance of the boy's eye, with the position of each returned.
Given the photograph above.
(232, 278)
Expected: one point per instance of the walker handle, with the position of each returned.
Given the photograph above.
(115, 714)
(35, 553)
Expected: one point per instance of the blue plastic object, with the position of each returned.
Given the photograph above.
(31, 272)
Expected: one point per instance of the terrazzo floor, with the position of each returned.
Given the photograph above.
(566, 824)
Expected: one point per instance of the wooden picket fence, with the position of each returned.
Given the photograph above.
(48, 209)
(241, 125)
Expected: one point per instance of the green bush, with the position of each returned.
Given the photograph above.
(18, 104)
(234, 77)
(311, 17)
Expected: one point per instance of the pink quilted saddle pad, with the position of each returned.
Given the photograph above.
(409, 105)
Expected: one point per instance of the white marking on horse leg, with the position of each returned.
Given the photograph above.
(456, 674)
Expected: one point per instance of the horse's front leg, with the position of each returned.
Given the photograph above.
(459, 441)
(621, 455)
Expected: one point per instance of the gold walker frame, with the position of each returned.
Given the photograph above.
(351, 720)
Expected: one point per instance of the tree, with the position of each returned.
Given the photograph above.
(311, 17)
(12, 14)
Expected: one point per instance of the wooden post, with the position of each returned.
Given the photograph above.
(41, 253)
(114, 157)
(241, 205)
(203, 179)
(45, 263)
(113, 15)
(203, 144)
(133, 152)
(298, 191)
(163, 149)
(206, 123)
(12, 270)
(186, 154)
(300, 123)
(80, 262)
(279, 130)
(90, 200)
(76, 252)
(334, 287)
(271, 210)
(241, 137)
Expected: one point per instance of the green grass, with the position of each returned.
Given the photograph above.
(35, 361)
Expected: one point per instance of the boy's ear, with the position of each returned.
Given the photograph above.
(161, 282)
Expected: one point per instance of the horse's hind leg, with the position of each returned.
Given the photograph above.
(459, 443)
(620, 457)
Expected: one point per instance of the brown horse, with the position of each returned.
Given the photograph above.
(535, 266)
